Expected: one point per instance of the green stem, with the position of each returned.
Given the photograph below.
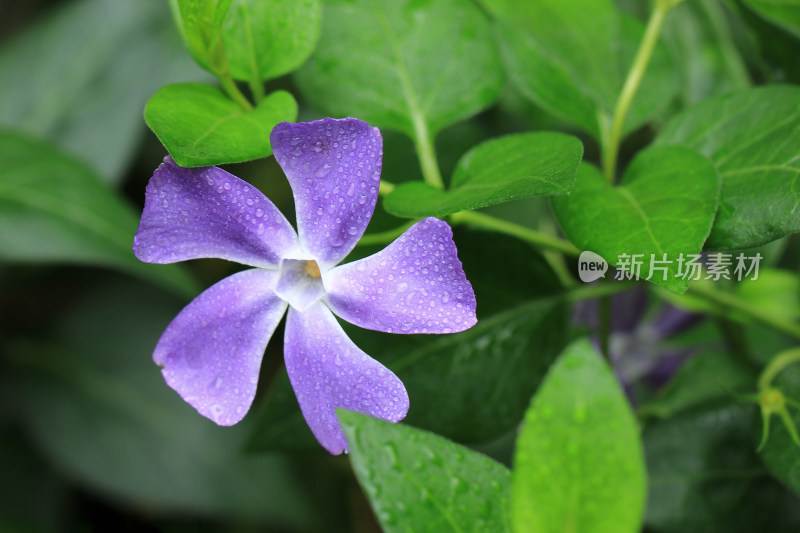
(383, 237)
(385, 188)
(731, 302)
(537, 238)
(257, 89)
(233, 91)
(613, 136)
(426, 152)
(776, 366)
(598, 290)
(422, 138)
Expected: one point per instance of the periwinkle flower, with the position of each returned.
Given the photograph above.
(211, 352)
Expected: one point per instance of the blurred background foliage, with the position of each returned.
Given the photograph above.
(92, 439)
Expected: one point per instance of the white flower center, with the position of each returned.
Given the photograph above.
(299, 282)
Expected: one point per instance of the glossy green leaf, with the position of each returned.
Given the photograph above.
(785, 13)
(200, 126)
(492, 370)
(753, 138)
(571, 58)
(56, 209)
(81, 76)
(578, 464)
(200, 24)
(665, 204)
(418, 481)
(499, 170)
(705, 476)
(265, 39)
(707, 26)
(97, 406)
(504, 271)
(408, 65)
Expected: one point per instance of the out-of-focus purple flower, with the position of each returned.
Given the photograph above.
(638, 348)
(211, 352)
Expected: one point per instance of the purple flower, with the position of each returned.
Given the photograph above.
(211, 352)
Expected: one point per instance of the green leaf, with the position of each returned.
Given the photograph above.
(496, 171)
(97, 406)
(708, 26)
(491, 372)
(200, 126)
(785, 13)
(266, 39)
(579, 464)
(200, 25)
(410, 65)
(418, 481)
(81, 76)
(705, 377)
(55, 209)
(753, 138)
(665, 204)
(571, 58)
(706, 478)
(775, 291)
(504, 271)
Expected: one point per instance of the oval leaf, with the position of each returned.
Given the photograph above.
(665, 204)
(499, 170)
(572, 58)
(200, 25)
(200, 126)
(55, 209)
(267, 39)
(785, 13)
(579, 464)
(418, 481)
(403, 64)
(96, 113)
(753, 138)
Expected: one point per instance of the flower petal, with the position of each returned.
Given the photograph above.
(206, 212)
(328, 371)
(334, 168)
(414, 285)
(211, 352)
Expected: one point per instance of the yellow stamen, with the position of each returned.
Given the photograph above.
(311, 268)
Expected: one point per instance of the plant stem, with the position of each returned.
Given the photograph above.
(537, 238)
(598, 290)
(613, 136)
(776, 366)
(731, 302)
(426, 152)
(233, 91)
(383, 237)
(257, 89)
(385, 188)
